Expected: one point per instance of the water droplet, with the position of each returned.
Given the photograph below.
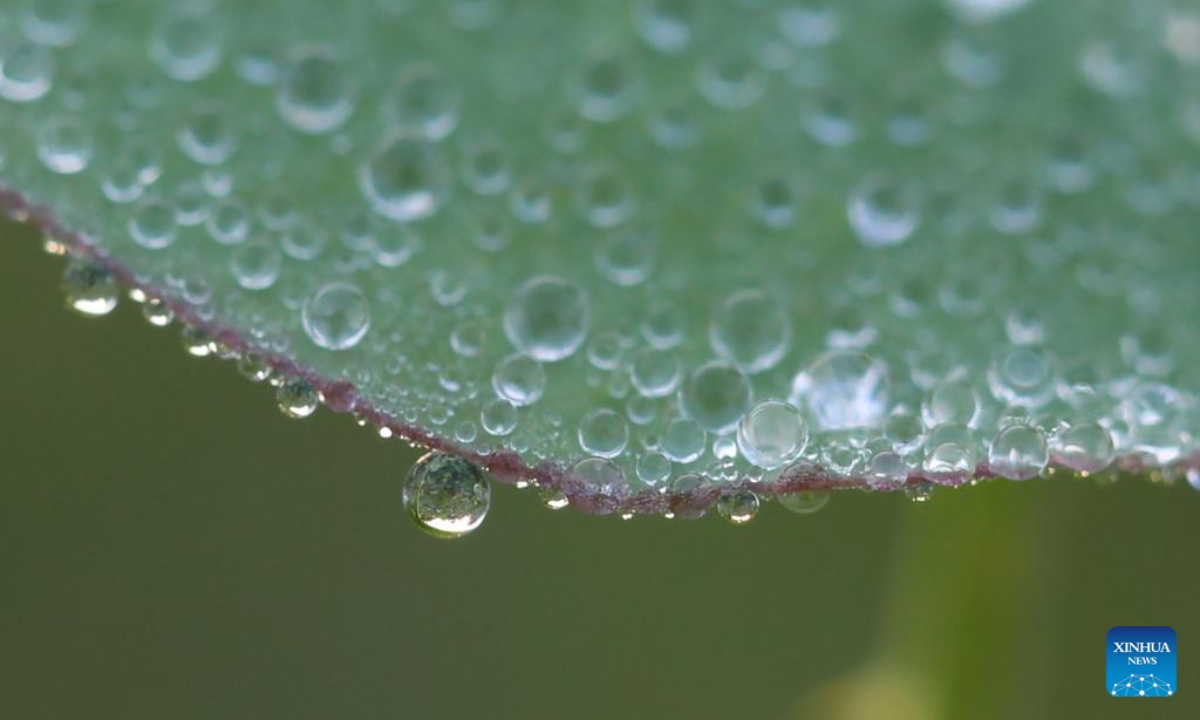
(64, 146)
(520, 379)
(732, 82)
(256, 264)
(405, 179)
(772, 434)
(886, 470)
(315, 94)
(423, 100)
(667, 25)
(653, 468)
(715, 396)
(655, 373)
(603, 433)
(805, 502)
(553, 497)
(683, 440)
(447, 496)
(90, 288)
(157, 313)
(185, 46)
(951, 460)
(196, 341)
(605, 90)
(738, 507)
(206, 137)
(547, 318)
(883, 211)
(26, 72)
(843, 390)
(498, 417)
(1084, 447)
(337, 316)
(919, 492)
(751, 330)
(297, 398)
(1018, 452)
(253, 368)
(153, 224)
(600, 475)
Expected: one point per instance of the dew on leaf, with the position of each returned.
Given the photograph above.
(336, 316)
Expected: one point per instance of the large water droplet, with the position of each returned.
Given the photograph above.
(843, 390)
(447, 496)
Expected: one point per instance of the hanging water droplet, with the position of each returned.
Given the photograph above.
(553, 497)
(447, 496)
(196, 341)
(297, 398)
(805, 502)
(738, 507)
(919, 492)
(253, 368)
(90, 288)
(336, 316)
(157, 313)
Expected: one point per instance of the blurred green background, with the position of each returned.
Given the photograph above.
(172, 547)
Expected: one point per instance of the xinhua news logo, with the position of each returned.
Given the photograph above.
(1141, 662)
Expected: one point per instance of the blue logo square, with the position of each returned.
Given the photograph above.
(1141, 662)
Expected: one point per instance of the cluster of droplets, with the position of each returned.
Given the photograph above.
(672, 263)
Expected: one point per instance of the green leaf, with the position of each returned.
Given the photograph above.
(648, 254)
